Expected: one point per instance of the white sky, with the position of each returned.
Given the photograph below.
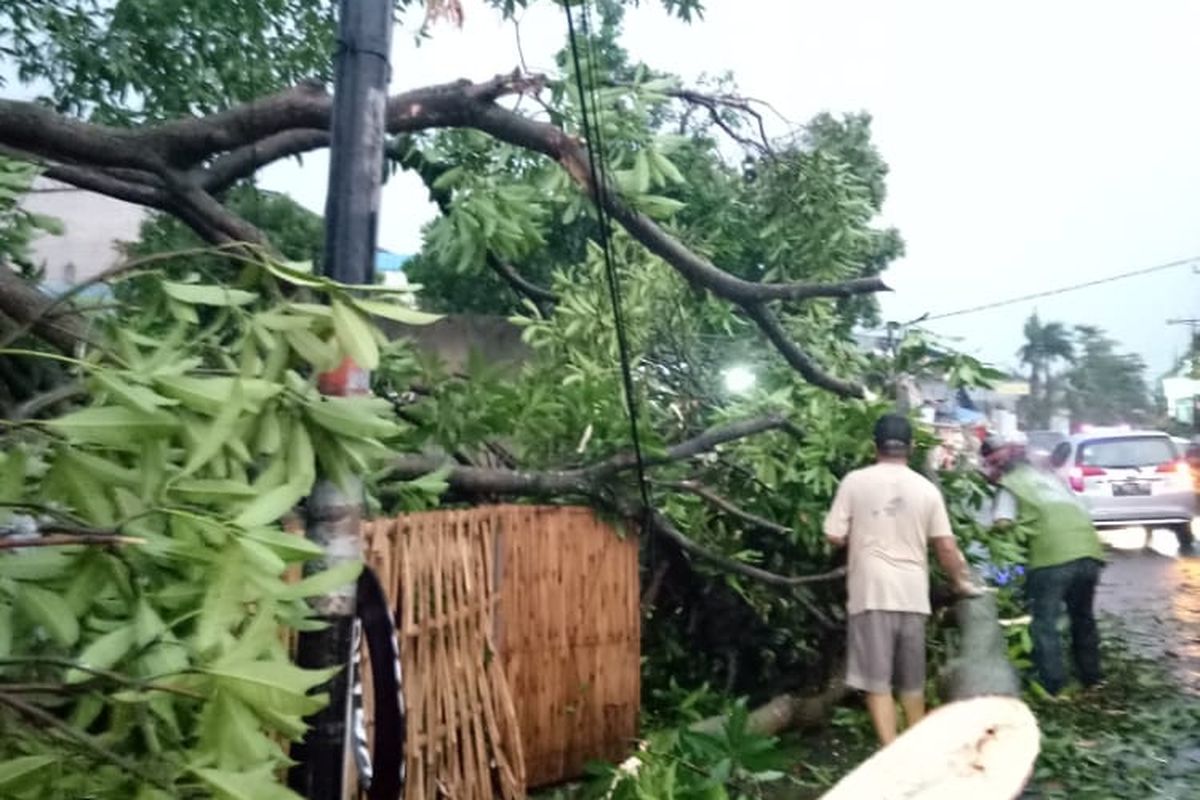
(1032, 144)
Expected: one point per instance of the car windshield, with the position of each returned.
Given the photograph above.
(1127, 452)
(1043, 440)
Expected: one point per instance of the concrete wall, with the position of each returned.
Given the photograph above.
(455, 336)
(93, 224)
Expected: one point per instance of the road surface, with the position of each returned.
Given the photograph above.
(1157, 596)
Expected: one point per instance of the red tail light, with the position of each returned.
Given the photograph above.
(1176, 467)
(1079, 473)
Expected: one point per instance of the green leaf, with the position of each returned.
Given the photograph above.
(102, 469)
(103, 652)
(88, 581)
(138, 398)
(288, 546)
(147, 625)
(397, 312)
(212, 489)
(259, 784)
(271, 685)
(354, 416)
(114, 426)
(324, 582)
(229, 733)
(447, 179)
(313, 349)
(208, 395)
(219, 433)
(221, 608)
(262, 557)
(15, 770)
(50, 611)
(271, 506)
(41, 564)
(297, 273)
(51, 225)
(641, 173)
(433, 483)
(210, 295)
(666, 168)
(12, 478)
(301, 459)
(6, 630)
(354, 336)
(659, 206)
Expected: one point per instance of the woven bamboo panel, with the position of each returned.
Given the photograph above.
(462, 740)
(568, 633)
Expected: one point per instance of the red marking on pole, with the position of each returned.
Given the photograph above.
(346, 380)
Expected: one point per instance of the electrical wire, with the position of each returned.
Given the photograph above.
(599, 178)
(1062, 290)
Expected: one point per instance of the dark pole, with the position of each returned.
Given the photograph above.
(351, 212)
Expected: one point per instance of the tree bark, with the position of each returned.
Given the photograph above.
(24, 304)
(783, 713)
(981, 667)
(179, 165)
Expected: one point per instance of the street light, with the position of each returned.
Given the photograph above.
(739, 380)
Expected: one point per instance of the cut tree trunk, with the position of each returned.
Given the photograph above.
(784, 712)
(982, 749)
(981, 667)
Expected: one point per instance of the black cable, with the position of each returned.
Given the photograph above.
(1061, 290)
(599, 177)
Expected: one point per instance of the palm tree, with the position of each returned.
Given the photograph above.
(1045, 344)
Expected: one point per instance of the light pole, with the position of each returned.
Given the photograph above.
(351, 214)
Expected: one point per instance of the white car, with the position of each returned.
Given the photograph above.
(1130, 478)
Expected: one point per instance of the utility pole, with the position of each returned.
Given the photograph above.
(362, 72)
(1193, 324)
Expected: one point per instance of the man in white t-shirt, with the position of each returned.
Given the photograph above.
(888, 516)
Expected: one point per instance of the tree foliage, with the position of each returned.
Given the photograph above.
(133, 61)
(759, 260)
(142, 585)
(1046, 344)
(19, 226)
(1106, 387)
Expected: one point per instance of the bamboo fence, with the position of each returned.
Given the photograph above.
(462, 740)
(519, 632)
(568, 633)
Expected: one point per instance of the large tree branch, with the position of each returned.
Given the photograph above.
(704, 442)
(799, 360)
(594, 483)
(248, 159)
(520, 284)
(584, 480)
(728, 506)
(196, 156)
(715, 104)
(664, 527)
(25, 305)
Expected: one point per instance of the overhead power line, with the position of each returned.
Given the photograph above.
(1063, 290)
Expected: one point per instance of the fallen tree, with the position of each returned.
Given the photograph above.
(983, 748)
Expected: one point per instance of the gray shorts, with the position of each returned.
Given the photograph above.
(886, 652)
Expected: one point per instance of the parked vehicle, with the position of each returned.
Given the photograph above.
(1130, 478)
(1040, 444)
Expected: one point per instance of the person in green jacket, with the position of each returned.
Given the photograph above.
(1065, 560)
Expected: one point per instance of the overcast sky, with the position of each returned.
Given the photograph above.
(1032, 144)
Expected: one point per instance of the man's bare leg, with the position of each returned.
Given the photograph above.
(882, 708)
(914, 708)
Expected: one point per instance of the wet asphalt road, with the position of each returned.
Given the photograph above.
(1156, 594)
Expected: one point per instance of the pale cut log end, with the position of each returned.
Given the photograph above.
(981, 749)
